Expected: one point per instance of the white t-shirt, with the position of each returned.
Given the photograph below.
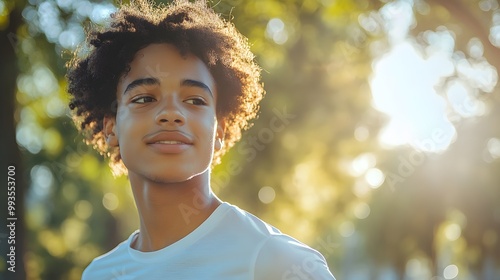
(230, 244)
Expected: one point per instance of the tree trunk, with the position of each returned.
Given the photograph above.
(10, 156)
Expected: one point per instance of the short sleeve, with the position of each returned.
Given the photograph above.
(282, 257)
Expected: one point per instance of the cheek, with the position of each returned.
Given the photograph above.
(119, 121)
(125, 124)
(211, 128)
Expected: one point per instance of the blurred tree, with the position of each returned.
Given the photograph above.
(68, 194)
(443, 198)
(10, 22)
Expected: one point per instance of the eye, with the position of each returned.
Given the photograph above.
(143, 99)
(196, 101)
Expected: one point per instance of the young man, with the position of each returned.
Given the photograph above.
(164, 92)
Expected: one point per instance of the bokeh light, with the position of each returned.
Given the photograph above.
(276, 31)
(267, 194)
(450, 271)
(110, 201)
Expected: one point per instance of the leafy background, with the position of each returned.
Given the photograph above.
(388, 163)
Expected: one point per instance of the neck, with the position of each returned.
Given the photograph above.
(170, 211)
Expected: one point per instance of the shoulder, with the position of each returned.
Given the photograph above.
(248, 223)
(283, 257)
(277, 255)
(105, 265)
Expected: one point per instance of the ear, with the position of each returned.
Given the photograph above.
(109, 131)
(219, 136)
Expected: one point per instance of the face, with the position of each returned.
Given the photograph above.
(165, 126)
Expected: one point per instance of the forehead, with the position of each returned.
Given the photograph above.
(165, 62)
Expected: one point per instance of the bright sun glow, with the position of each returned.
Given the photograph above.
(403, 87)
(418, 85)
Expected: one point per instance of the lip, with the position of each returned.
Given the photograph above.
(168, 142)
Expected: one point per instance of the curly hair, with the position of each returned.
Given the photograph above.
(193, 28)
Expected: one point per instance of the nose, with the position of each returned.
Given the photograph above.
(170, 114)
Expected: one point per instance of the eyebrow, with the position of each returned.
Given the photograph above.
(194, 83)
(141, 82)
(156, 81)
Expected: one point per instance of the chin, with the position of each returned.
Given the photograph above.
(173, 175)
